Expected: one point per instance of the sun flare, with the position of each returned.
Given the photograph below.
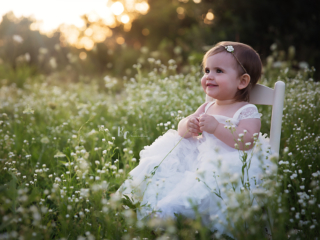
(66, 14)
(51, 14)
(117, 8)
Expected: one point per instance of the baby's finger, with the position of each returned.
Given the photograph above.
(193, 131)
(197, 124)
(194, 119)
(202, 118)
(191, 122)
(202, 122)
(192, 125)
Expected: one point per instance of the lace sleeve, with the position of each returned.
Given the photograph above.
(249, 112)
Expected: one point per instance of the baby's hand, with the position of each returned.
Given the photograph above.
(208, 123)
(193, 126)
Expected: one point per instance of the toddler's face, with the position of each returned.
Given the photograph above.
(221, 78)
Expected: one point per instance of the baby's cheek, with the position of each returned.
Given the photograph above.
(203, 83)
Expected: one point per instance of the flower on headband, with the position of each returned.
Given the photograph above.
(229, 48)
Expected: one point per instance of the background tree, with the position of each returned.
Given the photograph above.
(178, 29)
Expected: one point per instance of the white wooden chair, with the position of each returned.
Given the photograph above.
(267, 96)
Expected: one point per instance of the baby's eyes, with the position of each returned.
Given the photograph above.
(207, 70)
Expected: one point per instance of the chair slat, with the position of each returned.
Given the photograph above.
(261, 95)
(276, 118)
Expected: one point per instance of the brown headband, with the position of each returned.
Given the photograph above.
(230, 49)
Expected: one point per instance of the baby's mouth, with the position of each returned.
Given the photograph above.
(211, 85)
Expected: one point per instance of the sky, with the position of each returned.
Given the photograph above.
(52, 13)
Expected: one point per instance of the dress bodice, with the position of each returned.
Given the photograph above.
(245, 112)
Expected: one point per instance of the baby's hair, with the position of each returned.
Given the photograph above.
(249, 59)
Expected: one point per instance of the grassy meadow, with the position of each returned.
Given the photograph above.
(65, 148)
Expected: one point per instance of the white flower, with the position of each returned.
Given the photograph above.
(303, 65)
(59, 155)
(53, 62)
(151, 60)
(17, 38)
(43, 50)
(28, 110)
(200, 171)
(44, 140)
(283, 162)
(84, 165)
(229, 48)
(171, 62)
(293, 176)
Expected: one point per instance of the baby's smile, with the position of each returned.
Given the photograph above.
(211, 85)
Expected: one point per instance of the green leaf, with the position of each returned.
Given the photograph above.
(129, 202)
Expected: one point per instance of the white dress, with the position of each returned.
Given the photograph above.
(193, 173)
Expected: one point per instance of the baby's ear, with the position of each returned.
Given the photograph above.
(244, 81)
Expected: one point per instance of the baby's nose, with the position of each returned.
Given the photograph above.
(210, 76)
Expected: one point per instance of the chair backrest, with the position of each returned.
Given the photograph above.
(267, 96)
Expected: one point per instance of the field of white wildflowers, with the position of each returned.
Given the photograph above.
(65, 148)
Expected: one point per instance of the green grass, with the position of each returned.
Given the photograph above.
(66, 148)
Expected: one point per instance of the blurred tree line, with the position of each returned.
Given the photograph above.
(285, 34)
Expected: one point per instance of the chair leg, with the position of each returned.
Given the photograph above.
(267, 228)
(268, 233)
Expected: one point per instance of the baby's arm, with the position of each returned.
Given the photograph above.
(252, 125)
(191, 123)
